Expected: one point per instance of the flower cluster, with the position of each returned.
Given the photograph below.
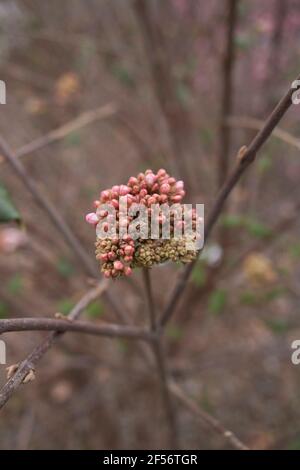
(118, 255)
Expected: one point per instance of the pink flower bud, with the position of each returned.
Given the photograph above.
(118, 266)
(116, 189)
(151, 200)
(124, 190)
(129, 250)
(165, 188)
(132, 181)
(128, 259)
(104, 257)
(130, 200)
(161, 173)
(104, 195)
(127, 238)
(92, 218)
(143, 193)
(127, 271)
(163, 198)
(179, 185)
(96, 203)
(107, 274)
(103, 213)
(111, 256)
(150, 179)
(141, 176)
(176, 198)
(115, 203)
(171, 180)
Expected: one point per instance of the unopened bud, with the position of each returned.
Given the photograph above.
(165, 188)
(92, 218)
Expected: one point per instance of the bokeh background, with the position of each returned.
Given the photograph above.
(161, 78)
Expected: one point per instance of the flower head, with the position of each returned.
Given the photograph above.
(120, 254)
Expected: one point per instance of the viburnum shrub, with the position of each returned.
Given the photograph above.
(152, 192)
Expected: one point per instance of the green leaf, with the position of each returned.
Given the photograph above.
(65, 306)
(243, 42)
(257, 229)
(248, 298)
(123, 345)
(183, 94)
(206, 137)
(278, 326)
(3, 310)
(295, 250)
(217, 301)
(199, 274)
(95, 309)
(232, 221)
(124, 75)
(8, 212)
(174, 332)
(264, 164)
(15, 284)
(65, 268)
(206, 402)
(274, 294)
(294, 444)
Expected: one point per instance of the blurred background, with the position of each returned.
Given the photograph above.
(178, 84)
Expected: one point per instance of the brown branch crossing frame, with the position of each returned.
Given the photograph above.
(245, 157)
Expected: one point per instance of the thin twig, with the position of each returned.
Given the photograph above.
(245, 157)
(56, 218)
(246, 122)
(226, 91)
(64, 325)
(227, 94)
(29, 363)
(212, 422)
(175, 116)
(52, 324)
(160, 361)
(150, 300)
(79, 122)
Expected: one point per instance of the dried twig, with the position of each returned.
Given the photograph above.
(160, 361)
(62, 326)
(79, 122)
(226, 91)
(212, 422)
(38, 352)
(245, 157)
(176, 117)
(246, 122)
(58, 221)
